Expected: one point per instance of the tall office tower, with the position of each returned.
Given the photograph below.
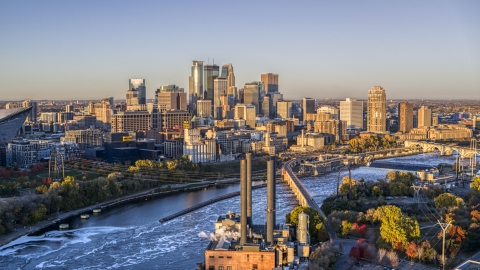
(405, 117)
(266, 105)
(308, 106)
(111, 100)
(224, 107)
(195, 88)
(103, 112)
(247, 113)
(284, 109)
(171, 101)
(91, 108)
(32, 116)
(377, 110)
(251, 95)
(424, 117)
(227, 72)
(211, 72)
(132, 97)
(274, 98)
(351, 111)
(204, 108)
(270, 82)
(139, 85)
(220, 88)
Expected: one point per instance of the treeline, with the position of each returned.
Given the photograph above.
(64, 196)
(371, 143)
(13, 179)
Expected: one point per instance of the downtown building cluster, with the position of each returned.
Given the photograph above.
(213, 121)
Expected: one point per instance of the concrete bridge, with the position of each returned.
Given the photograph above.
(446, 150)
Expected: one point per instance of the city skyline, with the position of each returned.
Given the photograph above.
(326, 50)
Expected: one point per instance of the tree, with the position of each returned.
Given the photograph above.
(376, 191)
(447, 200)
(454, 237)
(396, 228)
(475, 185)
(355, 253)
(411, 250)
(324, 256)
(392, 257)
(346, 226)
(316, 221)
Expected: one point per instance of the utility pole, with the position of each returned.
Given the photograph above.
(444, 227)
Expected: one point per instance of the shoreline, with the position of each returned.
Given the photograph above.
(56, 219)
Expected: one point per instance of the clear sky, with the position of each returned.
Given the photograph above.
(320, 49)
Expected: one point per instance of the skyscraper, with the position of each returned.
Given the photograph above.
(270, 82)
(247, 113)
(132, 98)
(377, 110)
(227, 72)
(195, 89)
(424, 117)
(220, 88)
(211, 73)
(308, 106)
(251, 95)
(405, 117)
(174, 100)
(139, 85)
(284, 109)
(204, 108)
(351, 111)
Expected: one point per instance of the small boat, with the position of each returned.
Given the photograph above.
(63, 226)
(98, 210)
(84, 216)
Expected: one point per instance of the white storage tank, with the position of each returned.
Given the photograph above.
(303, 236)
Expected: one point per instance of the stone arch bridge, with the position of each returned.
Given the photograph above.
(464, 152)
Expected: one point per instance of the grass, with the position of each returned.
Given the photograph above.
(77, 174)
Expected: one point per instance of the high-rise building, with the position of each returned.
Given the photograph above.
(424, 117)
(270, 82)
(227, 72)
(335, 112)
(337, 128)
(351, 111)
(167, 88)
(308, 106)
(32, 117)
(284, 109)
(377, 110)
(174, 100)
(220, 88)
(195, 89)
(204, 107)
(434, 119)
(210, 72)
(139, 85)
(405, 117)
(176, 119)
(87, 138)
(132, 98)
(251, 95)
(246, 112)
(133, 121)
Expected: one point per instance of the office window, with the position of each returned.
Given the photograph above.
(255, 266)
(229, 268)
(220, 268)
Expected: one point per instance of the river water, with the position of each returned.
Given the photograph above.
(130, 236)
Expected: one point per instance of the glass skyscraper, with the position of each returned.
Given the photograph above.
(195, 89)
(139, 85)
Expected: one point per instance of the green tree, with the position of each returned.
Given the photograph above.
(475, 185)
(395, 228)
(447, 200)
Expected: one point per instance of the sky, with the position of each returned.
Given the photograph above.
(320, 49)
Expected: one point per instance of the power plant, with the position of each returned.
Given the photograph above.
(240, 244)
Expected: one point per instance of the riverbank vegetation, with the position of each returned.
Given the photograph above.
(404, 227)
(79, 189)
(371, 143)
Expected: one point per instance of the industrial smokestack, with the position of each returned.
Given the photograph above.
(249, 189)
(243, 201)
(270, 200)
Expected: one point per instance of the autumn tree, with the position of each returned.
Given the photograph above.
(454, 237)
(447, 200)
(475, 185)
(411, 250)
(395, 227)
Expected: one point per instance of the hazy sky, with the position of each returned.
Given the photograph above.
(321, 49)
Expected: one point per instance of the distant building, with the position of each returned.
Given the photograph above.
(87, 138)
(251, 95)
(270, 82)
(174, 100)
(331, 110)
(405, 117)
(376, 110)
(134, 121)
(284, 109)
(132, 98)
(11, 121)
(336, 128)
(424, 117)
(351, 111)
(195, 89)
(204, 108)
(246, 112)
(211, 72)
(139, 85)
(308, 107)
(175, 119)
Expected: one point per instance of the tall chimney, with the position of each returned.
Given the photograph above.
(243, 201)
(249, 189)
(270, 200)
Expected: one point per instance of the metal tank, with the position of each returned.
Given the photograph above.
(303, 236)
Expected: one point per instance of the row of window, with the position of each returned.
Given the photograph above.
(220, 268)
